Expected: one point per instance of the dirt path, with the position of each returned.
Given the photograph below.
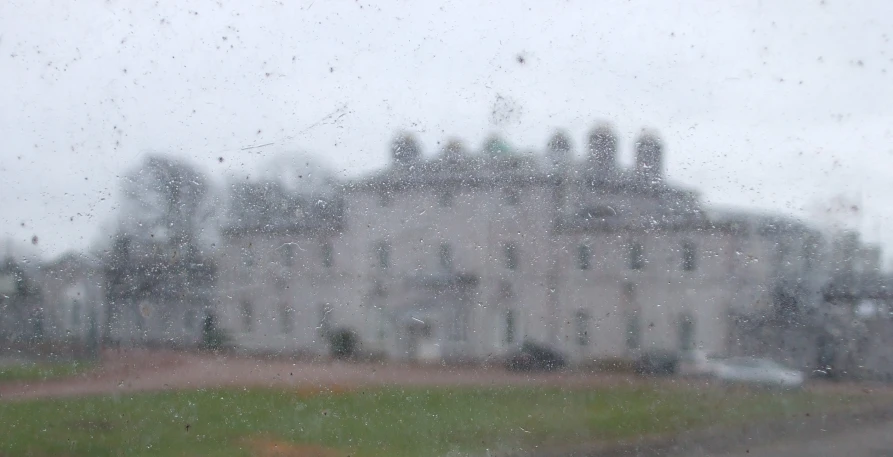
(144, 370)
(139, 370)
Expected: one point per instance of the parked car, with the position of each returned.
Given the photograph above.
(535, 357)
(749, 370)
(657, 362)
(696, 363)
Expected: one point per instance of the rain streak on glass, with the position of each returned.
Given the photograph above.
(458, 229)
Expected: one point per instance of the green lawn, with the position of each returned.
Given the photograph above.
(374, 422)
(42, 371)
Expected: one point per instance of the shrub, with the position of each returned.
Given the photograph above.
(344, 343)
(213, 337)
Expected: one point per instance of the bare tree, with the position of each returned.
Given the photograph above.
(165, 199)
(159, 254)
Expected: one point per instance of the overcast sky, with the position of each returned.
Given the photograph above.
(780, 106)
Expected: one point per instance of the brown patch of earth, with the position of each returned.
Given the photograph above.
(123, 372)
(314, 391)
(269, 447)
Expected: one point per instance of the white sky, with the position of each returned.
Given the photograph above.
(774, 105)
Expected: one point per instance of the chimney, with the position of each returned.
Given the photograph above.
(649, 158)
(602, 150)
(453, 152)
(405, 150)
(559, 151)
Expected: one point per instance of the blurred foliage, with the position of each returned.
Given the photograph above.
(344, 343)
(22, 316)
(165, 199)
(159, 253)
(214, 338)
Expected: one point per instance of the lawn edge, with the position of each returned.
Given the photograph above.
(726, 438)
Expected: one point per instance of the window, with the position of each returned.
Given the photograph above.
(384, 199)
(809, 254)
(325, 319)
(286, 318)
(686, 332)
(633, 332)
(509, 327)
(582, 322)
(383, 253)
(462, 329)
(511, 197)
(596, 213)
(780, 254)
(584, 256)
(629, 293)
(546, 179)
(689, 256)
(327, 255)
(457, 329)
(446, 256)
(248, 256)
(636, 256)
(382, 324)
(506, 292)
(510, 251)
(379, 289)
(75, 314)
(288, 254)
(425, 330)
(189, 319)
(247, 311)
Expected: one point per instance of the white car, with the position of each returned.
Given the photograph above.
(749, 370)
(696, 363)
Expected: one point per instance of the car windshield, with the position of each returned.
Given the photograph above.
(446, 229)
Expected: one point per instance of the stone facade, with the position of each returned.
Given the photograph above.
(22, 317)
(73, 298)
(464, 256)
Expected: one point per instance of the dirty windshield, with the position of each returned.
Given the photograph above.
(354, 228)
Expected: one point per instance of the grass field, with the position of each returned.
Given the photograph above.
(374, 422)
(42, 371)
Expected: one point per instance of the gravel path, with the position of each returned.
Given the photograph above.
(146, 370)
(143, 370)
